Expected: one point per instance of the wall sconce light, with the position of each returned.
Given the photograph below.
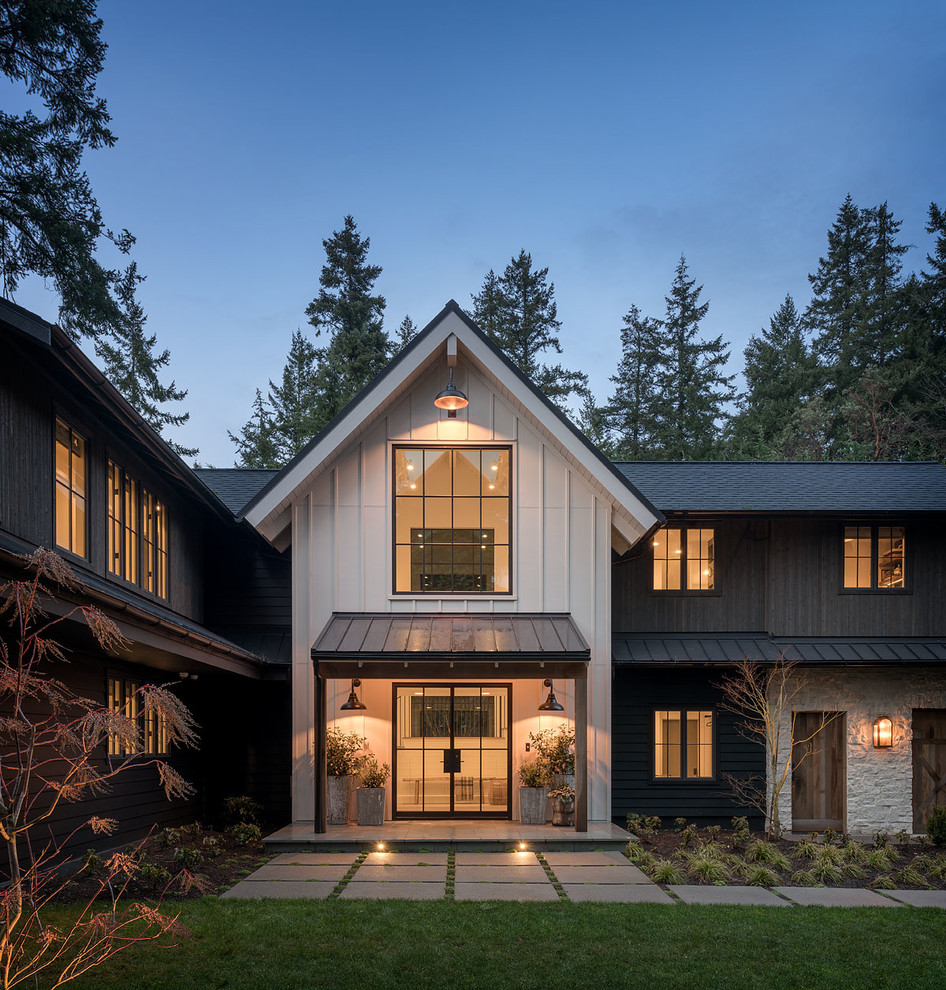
(883, 732)
(353, 704)
(451, 399)
(551, 703)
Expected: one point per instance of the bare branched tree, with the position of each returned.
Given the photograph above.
(52, 751)
(763, 697)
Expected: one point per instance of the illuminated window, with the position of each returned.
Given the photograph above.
(684, 559)
(683, 744)
(70, 489)
(124, 696)
(874, 557)
(137, 533)
(452, 509)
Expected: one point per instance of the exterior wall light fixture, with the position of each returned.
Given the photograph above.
(551, 703)
(353, 704)
(883, 732)
(451, 399)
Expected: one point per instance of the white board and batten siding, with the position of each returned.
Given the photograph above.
(342, 548)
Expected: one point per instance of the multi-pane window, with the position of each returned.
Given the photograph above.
(684, 559)
(874, 557)
(124, 697)
(71, 467)
(137, 533)
(683, 744)
(452, 511)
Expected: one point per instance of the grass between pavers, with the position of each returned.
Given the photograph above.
(259, 945)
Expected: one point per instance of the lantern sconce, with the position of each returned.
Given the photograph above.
(353, 704)
(883, 732)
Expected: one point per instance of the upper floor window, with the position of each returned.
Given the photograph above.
(70, 489)
(684, 559)
(452, 513)
(124, 696)
(874, 557)
(137, 533)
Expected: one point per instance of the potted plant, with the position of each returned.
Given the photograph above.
(341, 749)
(371, 792)
(556, 749)
(563, 805)
(534, 780)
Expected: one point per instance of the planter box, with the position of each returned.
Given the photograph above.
(563, 814)
(532, 805)
(338, 799)
(370, 805)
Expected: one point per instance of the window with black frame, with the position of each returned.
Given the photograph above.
(452, 511)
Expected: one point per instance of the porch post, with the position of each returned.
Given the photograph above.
(581, 754)
(320, 765)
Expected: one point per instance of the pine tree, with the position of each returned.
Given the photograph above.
(133, 366)
(883, 306)
(781, 375)
(359, 347)
(255, 444)
(632, 408)
(693, 390)
(838, 312)
(293, 403)
(406, 332)
(518, 312)
(593, 421)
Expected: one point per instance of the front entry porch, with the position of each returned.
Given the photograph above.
(444, 836)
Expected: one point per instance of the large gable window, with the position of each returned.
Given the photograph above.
(452, 510)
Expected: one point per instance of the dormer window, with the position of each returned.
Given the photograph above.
(874, 558)
(452, 512)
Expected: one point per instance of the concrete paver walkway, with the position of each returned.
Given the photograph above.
(603, 876)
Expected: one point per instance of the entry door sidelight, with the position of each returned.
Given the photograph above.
(452, 751)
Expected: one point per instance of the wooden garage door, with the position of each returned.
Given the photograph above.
(818, 772)
(929, 763)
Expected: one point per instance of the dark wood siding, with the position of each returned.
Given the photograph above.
(736, 605)
(636, 694)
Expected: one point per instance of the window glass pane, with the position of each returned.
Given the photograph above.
(674, 545)
(496, 518)
(63, 520)
(863, 572)
(674, 574)
(437, 474)
(498, 579)
(699, 744)
(857, 546)
(667, 744)
(62, 453)
(660, 575)
(466, 472)
(408, 472)
(78, 525)
(495, 472)
(438, 515)
(78, 464)
(408, 519)
(890, 557)
(466, 516)
(405, 575)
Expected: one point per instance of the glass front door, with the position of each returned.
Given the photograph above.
(452, 753)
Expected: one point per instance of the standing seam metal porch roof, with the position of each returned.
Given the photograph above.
(468, 636)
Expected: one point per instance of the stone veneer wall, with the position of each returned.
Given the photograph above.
(879, 781)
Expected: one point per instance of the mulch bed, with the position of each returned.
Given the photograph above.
(908, 865)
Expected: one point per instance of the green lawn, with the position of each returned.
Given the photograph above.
(281, 945)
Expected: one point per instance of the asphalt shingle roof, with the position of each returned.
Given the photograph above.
(235, 486)
(767, 486)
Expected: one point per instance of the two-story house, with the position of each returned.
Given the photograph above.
(457, 551)
(202, 601)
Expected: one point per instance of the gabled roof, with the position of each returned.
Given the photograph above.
(235, 486)
(268, 510)
(780, 486)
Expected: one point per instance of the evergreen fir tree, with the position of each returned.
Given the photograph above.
(359, 347)
(632, 413)
(518, 312)
(406, 332)
(593, 420)
(883, 310)
(133, 366)
(693, 390)
(255, 444)
(781, 374)
(293, 403)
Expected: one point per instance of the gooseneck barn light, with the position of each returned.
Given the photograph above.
(353, 704)
(451, 398)
(551, 703)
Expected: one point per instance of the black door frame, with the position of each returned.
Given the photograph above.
(452, 814)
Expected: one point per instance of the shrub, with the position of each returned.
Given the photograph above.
(741, 833)
(765, 852)
(211, 846)
(556, 748)
(154, 876)
(909, 876)
(806, 849)
(853, 872)
(372, 773)
(341, 751)
(242, 808)
(826, 871)
(680, 824)
(533, 774)
(246, 833)
(643, 826)
(92, 861)
(883, 882)
(170, 837)
(804, 878)
(707, 868)
(664, 871)
(188, 857)
(688, 836)
(878, 859)
(759, 875)
(936, 826)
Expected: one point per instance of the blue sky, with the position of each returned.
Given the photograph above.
(604, 138)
